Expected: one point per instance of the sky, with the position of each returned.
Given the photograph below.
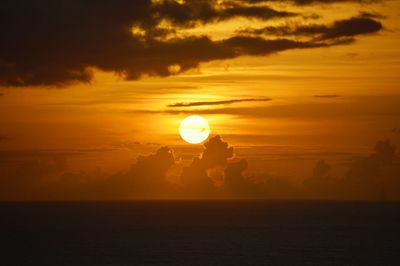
(301, 96)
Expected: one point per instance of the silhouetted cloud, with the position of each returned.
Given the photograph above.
(339, 29)
(216, 173)
(148, 174)
(48, 178)
(234, 180)
(196, 177)
(189, 12)
(376, 174)
(30, 179)
(321, 182)
(372, 177)
(54, 44)
(190, 104)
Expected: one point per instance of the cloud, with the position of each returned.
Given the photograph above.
(357, 106)
(314, 2)
(216, 173)
(371, 14)
(235, 181)
(148, 174)
(204, 172)
(49, 178)
(375, 175)
(339, 29)
(30, 178)
(27, 154)
(55, 44)
(395, 130)
(3, 138)
(372, 177)
(190, 104)
(327, 96)
(191, 12)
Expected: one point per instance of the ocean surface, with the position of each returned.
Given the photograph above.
(200, 233)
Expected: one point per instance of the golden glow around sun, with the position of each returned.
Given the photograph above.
(194, 129)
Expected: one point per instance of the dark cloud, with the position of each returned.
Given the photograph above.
(235, 181)
(373, 177)
(54, 44)
(216, 173)
(3, 138)
(204, 172)
(378, 173)
(346, 28)
(321, 182)
(204, 11)
(30, 178)
(48, 178)
(190, 104)
(148, 174)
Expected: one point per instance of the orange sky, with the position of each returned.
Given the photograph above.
(329, 103)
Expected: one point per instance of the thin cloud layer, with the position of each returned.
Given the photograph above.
(51, 43)
(207, 103)
(351, 108)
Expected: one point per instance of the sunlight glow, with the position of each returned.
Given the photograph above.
(194, 129)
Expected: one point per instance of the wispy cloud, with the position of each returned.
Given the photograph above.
(354, 107)
(190, 104)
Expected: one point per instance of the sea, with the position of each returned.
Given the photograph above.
(200, 233)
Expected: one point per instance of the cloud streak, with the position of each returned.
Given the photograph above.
(208, 103)
(352, 107)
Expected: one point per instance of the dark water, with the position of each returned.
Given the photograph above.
(200, 233)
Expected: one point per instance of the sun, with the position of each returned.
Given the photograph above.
(194, 129)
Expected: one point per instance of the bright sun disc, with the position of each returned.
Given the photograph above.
(194, 129)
